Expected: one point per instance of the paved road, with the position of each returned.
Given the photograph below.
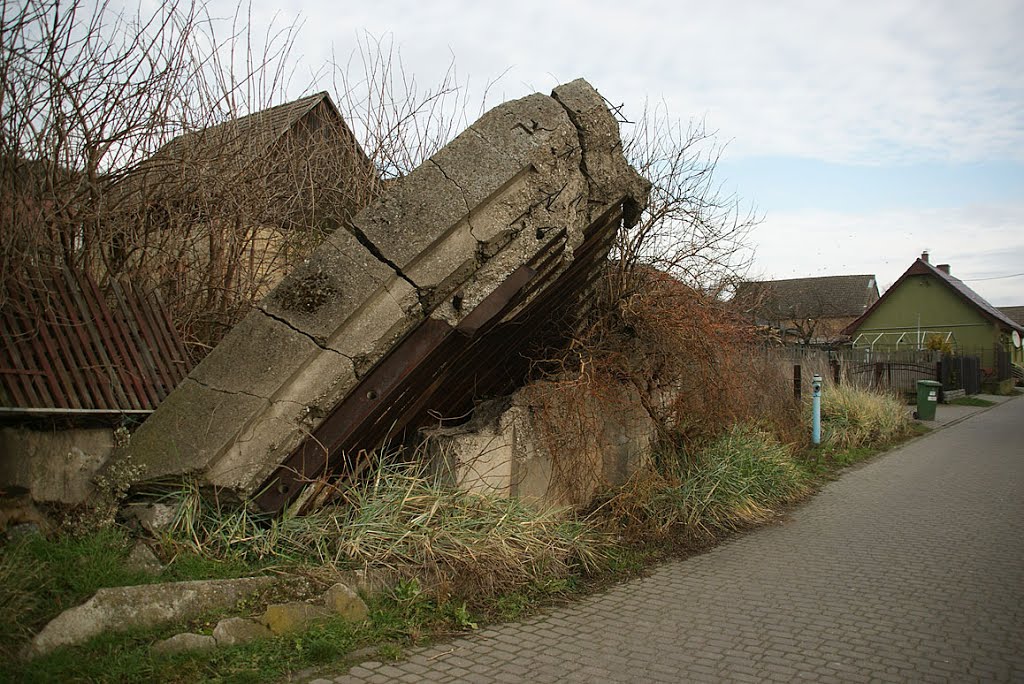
(908, 569)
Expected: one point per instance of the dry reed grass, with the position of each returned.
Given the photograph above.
(402, 519)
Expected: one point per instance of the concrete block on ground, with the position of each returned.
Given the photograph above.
(147, 605)
(238, 630)
(506, 449)
(344, 602)
(282, 618)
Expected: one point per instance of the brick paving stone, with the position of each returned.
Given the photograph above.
(908, 568)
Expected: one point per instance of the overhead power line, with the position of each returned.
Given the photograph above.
(975, 280)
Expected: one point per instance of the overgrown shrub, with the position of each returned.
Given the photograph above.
(852, 417)
(692, 363)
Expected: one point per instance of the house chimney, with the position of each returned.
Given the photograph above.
(944, 268)
(924, 256)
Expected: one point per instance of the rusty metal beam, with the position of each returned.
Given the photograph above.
(439, 370)
(373, 408)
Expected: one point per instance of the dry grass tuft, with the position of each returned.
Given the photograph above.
(853, 417)
(733, 481)
(402, 519)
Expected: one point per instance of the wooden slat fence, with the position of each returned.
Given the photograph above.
(64, 346)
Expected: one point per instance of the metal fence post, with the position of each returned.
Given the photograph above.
(816, 409)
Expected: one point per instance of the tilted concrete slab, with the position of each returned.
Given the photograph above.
(471, 238)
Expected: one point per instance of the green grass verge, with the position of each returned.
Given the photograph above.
(516, 558)
(40, 576)
(395, 621)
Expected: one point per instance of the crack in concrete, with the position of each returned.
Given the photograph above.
(377, 254)
(578, 125)
(465, 199)
(311, 338)
(243, 393)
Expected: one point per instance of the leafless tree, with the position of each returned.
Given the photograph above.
(691, 229)
(141, 148)
(399, 121)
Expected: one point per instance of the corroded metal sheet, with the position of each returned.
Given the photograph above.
(64, 347)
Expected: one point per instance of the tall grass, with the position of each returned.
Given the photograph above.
(852, 417)
(402, 519)
(730, 482)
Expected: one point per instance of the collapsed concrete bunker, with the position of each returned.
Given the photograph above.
(426, 302)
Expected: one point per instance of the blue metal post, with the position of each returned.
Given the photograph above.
(816, 409)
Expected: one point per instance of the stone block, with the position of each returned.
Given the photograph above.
(345, 602)
(237, 630)
(282, 618)
(155, 518)
(148, 605)
(144, 560)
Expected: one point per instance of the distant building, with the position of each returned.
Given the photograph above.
(217, 217)
(928, 306)
(807, 310)
(1014, 313)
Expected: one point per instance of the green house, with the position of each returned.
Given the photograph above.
(928, 307)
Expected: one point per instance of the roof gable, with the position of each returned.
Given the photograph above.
(920, 267)
(187, 163)
(260, 129)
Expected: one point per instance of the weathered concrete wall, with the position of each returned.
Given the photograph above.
(434, 247)
(53, 465)
(507, 448)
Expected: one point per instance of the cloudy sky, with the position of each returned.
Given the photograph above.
(865, 132)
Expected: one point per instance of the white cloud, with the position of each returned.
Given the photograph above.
(874, 82)
(865, 82)
(979, 242)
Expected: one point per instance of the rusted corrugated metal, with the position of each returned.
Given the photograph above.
(438, 370)
(64, 347)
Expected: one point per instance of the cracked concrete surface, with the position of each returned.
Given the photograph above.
(435, 246)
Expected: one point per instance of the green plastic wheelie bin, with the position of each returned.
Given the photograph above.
(927, 398)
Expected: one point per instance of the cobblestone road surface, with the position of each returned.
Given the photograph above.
(908, 569)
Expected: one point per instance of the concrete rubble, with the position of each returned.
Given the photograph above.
(339, 601)
(151, 605)
(146, 605)
(238, 630)
(182, 643)
(422, 304)
(503, 449)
